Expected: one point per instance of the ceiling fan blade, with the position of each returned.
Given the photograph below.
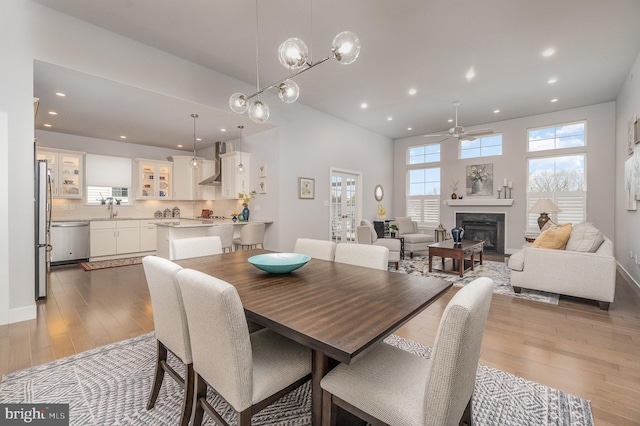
(436, 134)
(467, 137)
(480, 132)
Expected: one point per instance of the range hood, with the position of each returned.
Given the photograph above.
(215, 179)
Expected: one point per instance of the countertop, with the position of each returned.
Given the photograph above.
(193, 223)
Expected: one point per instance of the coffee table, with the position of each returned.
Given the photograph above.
(465, 250)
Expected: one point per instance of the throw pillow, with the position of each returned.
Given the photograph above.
(585, 237)
(405, 225)
(554, 238)
(374, 234)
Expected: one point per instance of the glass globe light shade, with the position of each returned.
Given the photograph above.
(293, 53)
(259, 112)
(240, 169)
(238, 103)
(288, 91)
(345, 47)
(194, 163)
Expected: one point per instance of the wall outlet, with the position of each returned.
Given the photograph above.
(256, 207)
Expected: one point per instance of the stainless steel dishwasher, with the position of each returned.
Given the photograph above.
(70, 242)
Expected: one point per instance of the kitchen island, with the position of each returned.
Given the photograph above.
(168, 231)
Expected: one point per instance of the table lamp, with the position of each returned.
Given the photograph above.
(544, 206)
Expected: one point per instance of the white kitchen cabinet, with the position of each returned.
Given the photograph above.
(186, 178)
(148, 235)
(66, 169)
(232, 182)
(112, 237)
(154, 179)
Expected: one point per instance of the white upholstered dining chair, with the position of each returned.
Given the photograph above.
(251, 235)
(195, 247)
(171, 330)
(250, 371)
(318, 249)
(225, 232)
(369, 256)
(388, 385)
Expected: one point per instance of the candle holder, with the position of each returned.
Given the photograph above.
(505, 191)
(499, 191)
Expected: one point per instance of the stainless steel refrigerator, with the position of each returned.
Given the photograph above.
(43, 204)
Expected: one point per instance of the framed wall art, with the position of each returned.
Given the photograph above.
(262, 185)
(632, 127)
(306, 188)
(480, 179)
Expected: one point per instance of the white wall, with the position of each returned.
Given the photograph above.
(512, 164)
(307, 143)
(627, 222)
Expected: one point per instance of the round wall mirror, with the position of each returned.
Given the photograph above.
(378, 193)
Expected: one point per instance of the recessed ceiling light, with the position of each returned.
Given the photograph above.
(223, 130)
(364, 105)
(450, 120)
(179, 146)
(60, 94)
(409, 128)
(123, 137)
(549, 52)
(496, 111)
(470, 74)
(53, 113)
(412, 91)
(552, 80)
(554, 100)
(199, 139)
(47, 125)
(389, 118)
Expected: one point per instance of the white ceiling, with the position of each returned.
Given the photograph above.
(426, 45)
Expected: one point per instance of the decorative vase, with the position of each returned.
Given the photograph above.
(245, 213)
(476, 187)
(457, 234)
(234, 218)
(454, 196)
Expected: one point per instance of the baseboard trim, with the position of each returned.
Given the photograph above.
(24, 313)
(629, 279)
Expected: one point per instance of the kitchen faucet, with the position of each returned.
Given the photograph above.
(112, 214)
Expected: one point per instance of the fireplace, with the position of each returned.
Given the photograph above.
(487, 227)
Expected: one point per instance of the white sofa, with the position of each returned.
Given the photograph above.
(366, 234)
(574, 271)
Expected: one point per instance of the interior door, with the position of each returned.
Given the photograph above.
(345, 206)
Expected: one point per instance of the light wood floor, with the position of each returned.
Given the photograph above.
(574, 347)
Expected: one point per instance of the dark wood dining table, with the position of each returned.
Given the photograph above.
(337, 310)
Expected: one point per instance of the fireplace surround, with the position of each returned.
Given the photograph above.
(487, 227)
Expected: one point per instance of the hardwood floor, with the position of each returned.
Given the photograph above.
(574, 346)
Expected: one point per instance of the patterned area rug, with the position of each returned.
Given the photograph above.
(104, 264)
(499, 272)
(110, 385)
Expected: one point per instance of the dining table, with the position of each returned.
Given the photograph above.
(336, 309)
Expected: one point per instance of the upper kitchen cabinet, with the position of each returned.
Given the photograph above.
(232, 181)
(186, 178)
(66, 169)
(154, 179)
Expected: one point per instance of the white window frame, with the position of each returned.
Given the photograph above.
(424, 209)
(572, 203)
(480, 140)
(555, 127)
(94, 192)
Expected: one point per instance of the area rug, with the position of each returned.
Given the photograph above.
(104, 264)
(110, 385)
(498, 271)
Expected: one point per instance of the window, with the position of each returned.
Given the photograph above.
(423, 184)
(97, 193)
(481, 147)
(569, 135)
(560, 178)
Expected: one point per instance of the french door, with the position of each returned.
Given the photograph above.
(346, 200)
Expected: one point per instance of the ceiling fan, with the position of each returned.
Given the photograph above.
(459, 133)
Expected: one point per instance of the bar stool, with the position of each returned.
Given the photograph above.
(251, 235)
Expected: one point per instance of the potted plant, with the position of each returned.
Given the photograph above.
(393, 229)
(118, 201)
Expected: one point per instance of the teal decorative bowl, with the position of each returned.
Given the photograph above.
(279, 263)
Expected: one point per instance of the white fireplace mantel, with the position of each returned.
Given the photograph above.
(480, 202)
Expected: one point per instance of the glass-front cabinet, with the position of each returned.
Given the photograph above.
(66, 170)
(154, 180)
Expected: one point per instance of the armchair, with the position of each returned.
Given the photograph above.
(366, 234)
(413, 240)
